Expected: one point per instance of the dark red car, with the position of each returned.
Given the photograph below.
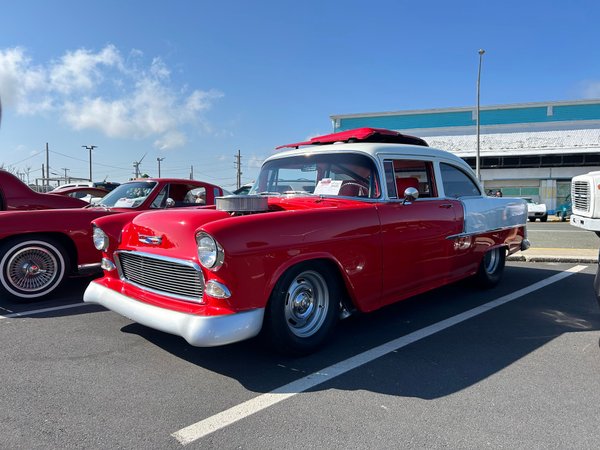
(16, 195)
(39, 249)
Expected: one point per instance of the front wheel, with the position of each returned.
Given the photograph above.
(31, 268)
(544, 218)
(303, 309)
(491, 267)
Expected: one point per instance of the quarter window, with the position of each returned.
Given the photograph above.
(457, 183)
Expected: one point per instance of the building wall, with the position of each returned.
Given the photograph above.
(544, 129)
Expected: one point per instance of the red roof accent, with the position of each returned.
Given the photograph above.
(361, 135)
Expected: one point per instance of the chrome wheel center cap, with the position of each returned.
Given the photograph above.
(31, 269)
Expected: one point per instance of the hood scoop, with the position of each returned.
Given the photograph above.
(242, 204)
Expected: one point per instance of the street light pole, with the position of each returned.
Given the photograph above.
(90, 148)
(159, 160)
(477, 163)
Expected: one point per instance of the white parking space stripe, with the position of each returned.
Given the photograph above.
(41, 311)
(223, 419)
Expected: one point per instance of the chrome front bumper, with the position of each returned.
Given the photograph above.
(200, 331)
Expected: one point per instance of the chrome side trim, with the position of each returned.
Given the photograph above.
(476, 233)
(199, 331)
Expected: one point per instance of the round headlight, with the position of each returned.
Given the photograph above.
(100, 239)
(210, 253)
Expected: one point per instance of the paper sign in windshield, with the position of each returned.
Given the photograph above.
(327, 186)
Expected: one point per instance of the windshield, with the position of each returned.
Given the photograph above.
(128, 195)
(350, 175)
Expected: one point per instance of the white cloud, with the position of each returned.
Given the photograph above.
(103, 91)
(591, 89)
(170, 140)
(81, 70)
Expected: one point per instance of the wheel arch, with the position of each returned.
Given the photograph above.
(331, 263)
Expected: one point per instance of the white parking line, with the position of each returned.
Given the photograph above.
(225, 418)
(41, 311)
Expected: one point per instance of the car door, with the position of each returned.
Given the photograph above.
(416, 248)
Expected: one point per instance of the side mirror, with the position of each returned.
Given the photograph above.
(170, 202)
(410, 195)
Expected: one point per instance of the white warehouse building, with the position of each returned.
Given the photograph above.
(526, 150)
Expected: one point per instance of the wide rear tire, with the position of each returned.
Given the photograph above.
(491, 267)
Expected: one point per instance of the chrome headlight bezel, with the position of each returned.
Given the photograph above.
(210, 252)
(100, 238)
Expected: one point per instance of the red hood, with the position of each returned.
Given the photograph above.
(177, 228)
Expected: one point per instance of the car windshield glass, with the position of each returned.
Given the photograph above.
(350, 175)
(128, 195)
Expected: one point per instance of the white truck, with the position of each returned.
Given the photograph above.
(585, 198)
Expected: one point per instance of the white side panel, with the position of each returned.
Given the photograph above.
(490, 213)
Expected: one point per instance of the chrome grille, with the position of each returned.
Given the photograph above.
(580, 195)
(167, 276)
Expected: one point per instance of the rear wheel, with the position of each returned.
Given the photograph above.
(31, 268)
(303, 309)
(491, 267)
(544, 218)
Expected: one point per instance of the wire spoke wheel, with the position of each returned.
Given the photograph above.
(31, 268)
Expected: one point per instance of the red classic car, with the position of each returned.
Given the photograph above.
(39, 249)
(16, 195)
(325, 231)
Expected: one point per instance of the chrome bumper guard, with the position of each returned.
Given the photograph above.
(199, 331)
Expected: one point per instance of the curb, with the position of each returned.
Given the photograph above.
(553, 258)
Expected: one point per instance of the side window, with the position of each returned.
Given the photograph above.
(196, 196)
(161, 199)
(404, 173)
(457, 183)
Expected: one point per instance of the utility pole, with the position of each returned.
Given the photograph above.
(238, 164)
(191, 172)
(47, 181)
(136, 165)
(90, 148)
(159, 160)
(66, 179)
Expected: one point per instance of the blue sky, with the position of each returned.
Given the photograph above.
(193, 82)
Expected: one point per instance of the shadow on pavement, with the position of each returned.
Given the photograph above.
(438, 365)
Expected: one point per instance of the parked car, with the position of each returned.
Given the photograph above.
(87, 194)
(536, 210)
(326, 231)
(107, 185)
(244, 189)
(16, 195)
(39, 249)
(564, 210)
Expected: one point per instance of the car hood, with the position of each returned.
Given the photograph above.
(176, 229)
